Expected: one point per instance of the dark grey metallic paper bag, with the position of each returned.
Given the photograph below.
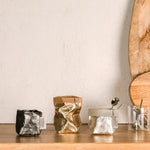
(28, 122)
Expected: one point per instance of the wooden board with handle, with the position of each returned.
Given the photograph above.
(139, 39)
(140, 89)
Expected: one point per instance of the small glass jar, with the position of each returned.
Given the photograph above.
(103, 120)
(138, 118)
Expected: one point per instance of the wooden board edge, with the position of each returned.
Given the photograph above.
(129, 90)
(130, 37)
(76, 146)
(136, 78)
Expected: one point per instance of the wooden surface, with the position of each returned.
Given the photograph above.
(139, 39)
(140, 89)
(49, 140)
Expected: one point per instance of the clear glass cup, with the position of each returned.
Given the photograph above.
(138, 118)
(103, 120)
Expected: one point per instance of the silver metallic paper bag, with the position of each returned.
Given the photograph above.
(103, 120)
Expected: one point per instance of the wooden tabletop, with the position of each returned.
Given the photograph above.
(122, 139)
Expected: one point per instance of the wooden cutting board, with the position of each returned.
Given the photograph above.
(139, 39)
(140, 89)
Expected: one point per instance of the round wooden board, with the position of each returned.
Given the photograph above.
(139, 39)
(140, 89)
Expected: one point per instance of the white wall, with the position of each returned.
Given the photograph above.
(63, 47)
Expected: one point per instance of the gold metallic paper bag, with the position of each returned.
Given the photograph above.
(67, 109)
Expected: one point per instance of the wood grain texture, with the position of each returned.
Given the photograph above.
(122, 139)
(77, 146)
(140, 89)
(139, 39)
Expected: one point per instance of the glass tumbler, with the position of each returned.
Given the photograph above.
(103, 120)
(138, 118)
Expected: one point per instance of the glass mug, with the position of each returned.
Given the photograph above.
(103, 120)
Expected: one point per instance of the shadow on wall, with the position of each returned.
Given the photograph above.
(122, 86)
